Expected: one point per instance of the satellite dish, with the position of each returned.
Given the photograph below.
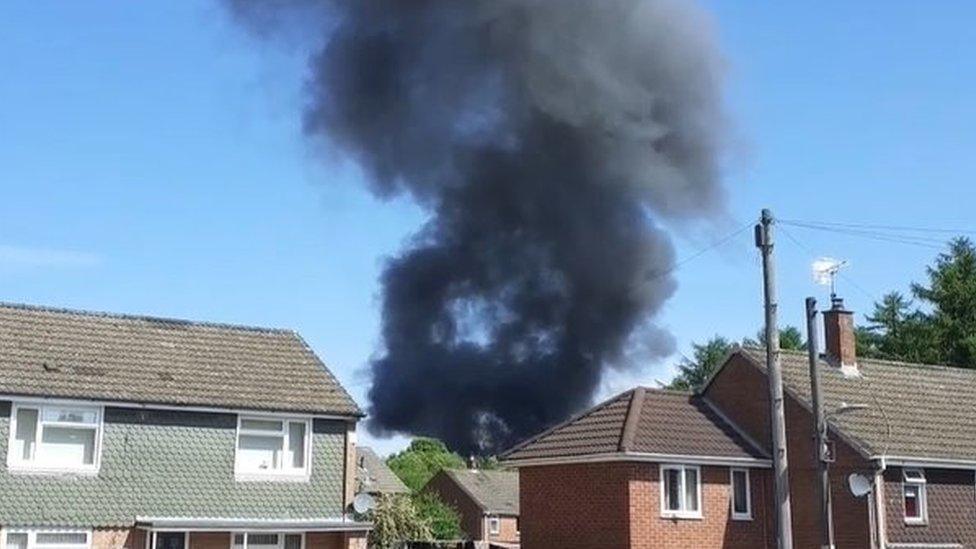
(363, 503)
(859, 484)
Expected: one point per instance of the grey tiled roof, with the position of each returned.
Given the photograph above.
(375, 476)
(171, 464)
(642, 420)
(913, 410)
(55, 352)
(496, 492)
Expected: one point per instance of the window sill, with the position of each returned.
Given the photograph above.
(916, 522)
(682, 516)
(742, 518)
(22, 469)
(272, 477)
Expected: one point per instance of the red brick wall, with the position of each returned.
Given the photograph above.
(472, 517)
(715, 529)
(507, 531)
(118, 538)
(741, 392)
(952, 508)
(575, 506)
(209, 540)
(617, 505)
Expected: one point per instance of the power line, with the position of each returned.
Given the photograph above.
(879, 227)
(910, 240)
(842, 274)
(702, 252)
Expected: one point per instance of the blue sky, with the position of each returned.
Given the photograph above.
(152, 162)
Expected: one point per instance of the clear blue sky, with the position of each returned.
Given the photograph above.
(151, 162)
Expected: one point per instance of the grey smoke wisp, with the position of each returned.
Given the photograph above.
(548, 140)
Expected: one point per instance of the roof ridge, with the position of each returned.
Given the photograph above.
(148, 318)
(879, 361)
(634, 411)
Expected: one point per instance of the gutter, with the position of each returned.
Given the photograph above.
(644, 457)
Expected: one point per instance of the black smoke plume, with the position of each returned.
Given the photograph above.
(547, 139)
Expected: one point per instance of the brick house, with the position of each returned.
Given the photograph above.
(647, 468)
(488, 502)
(147, 433)
(910, 429)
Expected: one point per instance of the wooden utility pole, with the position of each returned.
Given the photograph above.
(777, 418)
(820, 428)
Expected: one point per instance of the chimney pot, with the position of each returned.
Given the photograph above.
(839, 336)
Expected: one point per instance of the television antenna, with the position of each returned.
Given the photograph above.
(825, 272)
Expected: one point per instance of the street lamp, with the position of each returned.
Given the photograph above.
(825, 458)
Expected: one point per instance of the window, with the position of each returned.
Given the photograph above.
(741, 496)
(266, 540)
(913, 491)
(272, 447)
(55, 437)
(47, 539)
(494, 526)
(681, 491)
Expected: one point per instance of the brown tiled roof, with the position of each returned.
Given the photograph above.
(375, 475)
(496, 492)
(75, 354)
(641, 421)
(912, 410)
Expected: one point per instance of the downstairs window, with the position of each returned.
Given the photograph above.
(681, 491)
(47, 539)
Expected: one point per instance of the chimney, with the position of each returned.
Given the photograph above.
(839, 336)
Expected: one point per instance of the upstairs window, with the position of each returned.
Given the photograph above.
(913, 491)
(741, 496)
(271, 447)
(681, 491)
(54, 438)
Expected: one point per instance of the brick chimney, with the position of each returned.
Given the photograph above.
(839, 336)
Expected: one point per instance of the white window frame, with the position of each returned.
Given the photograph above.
(923, 505)
(681, 513)
(32, 536)
(747, 515)
(494, 525)
(281, 539)
(17, 464)
(283, 474)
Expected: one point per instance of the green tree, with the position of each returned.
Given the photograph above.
(897, 330)
(790, 339)
(705, 358)
(420, 461)
(951, 295)
(443, 520)
(396, 519)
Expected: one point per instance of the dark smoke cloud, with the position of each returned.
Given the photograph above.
(545, 138)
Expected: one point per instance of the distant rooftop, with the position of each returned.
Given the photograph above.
(375, 476)
(496, 492)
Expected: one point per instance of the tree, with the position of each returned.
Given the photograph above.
(707, 357)
(951, 294)
(897, 331)
(396, 519)
(443, 520)
(420, 461)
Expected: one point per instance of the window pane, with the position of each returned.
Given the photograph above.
(262, 539)
(293, 541)
(62, 538)
(67, 446)
(740, 492)
(26, 435)
(912, 509)
(259, 453)
(70, 415)
(239, 539)
(672, 493)
(296, 445)
(261, 425)
(16, 541)
(691, 490)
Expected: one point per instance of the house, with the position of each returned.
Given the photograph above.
(661, 469)
(646, 468)
(488, 501)
(147, 433)
(374, 476)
